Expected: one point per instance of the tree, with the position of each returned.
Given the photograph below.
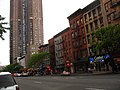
(2, 28)
(12, 68)
(35, 58)
(107, 38)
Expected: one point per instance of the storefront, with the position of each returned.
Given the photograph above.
(59, 68)
(81, 65)
(117, 63)
(98, 63)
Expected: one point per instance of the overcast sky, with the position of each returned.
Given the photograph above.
(55, 13)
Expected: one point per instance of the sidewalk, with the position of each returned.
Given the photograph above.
(87, 74)
(95, 73)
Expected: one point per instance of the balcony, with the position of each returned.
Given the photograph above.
(116, 15)
(114, 4)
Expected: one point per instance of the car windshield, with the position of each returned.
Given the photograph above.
(6, 81)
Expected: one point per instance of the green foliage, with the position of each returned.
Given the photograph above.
(13, 67)
(35, 58)
(2, 28)
(107, 38)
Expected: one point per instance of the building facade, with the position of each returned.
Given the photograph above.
(93, 19)
(26, 22)
(111, 11)
(78, 41)
(67, 50)
(52, 53)
(59, 53)
(73, 46)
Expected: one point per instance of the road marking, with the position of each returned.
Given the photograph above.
(37, 82)
(94, 89)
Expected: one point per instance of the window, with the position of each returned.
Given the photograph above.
(75, 55)
(84, 41)
(85, 16)
(81, 42)
(94, 13)
(71, 25)
(88, 39)
(74, 25)
(78, 22)
(107, 5)
(77, 43)
(101, 21)
(89, 14)
(87, 29)
(6, 81)
(76, 34)
(109, 18)
(84, 53)
(72, 35)
(83, 32)
(96, 24)
(99, 10)
(73, 44)
(81, 20)
(115, 15)
(91, 26)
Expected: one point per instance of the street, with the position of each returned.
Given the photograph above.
(95, 82)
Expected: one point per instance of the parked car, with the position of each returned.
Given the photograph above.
(16, 74)
(24, 74)
(65, 73)
(7, 82)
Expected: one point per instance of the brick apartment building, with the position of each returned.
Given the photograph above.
(67, 50)
(78, 41)
(45, 48)
(111, 11)
(71, 48)
(59, 40)
(52, 53)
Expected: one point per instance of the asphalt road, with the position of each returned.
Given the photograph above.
(96, 82)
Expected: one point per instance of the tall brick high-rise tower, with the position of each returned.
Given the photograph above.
(26, 22)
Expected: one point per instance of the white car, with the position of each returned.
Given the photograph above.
(7, 81)
(65, 73)
(16, 74)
